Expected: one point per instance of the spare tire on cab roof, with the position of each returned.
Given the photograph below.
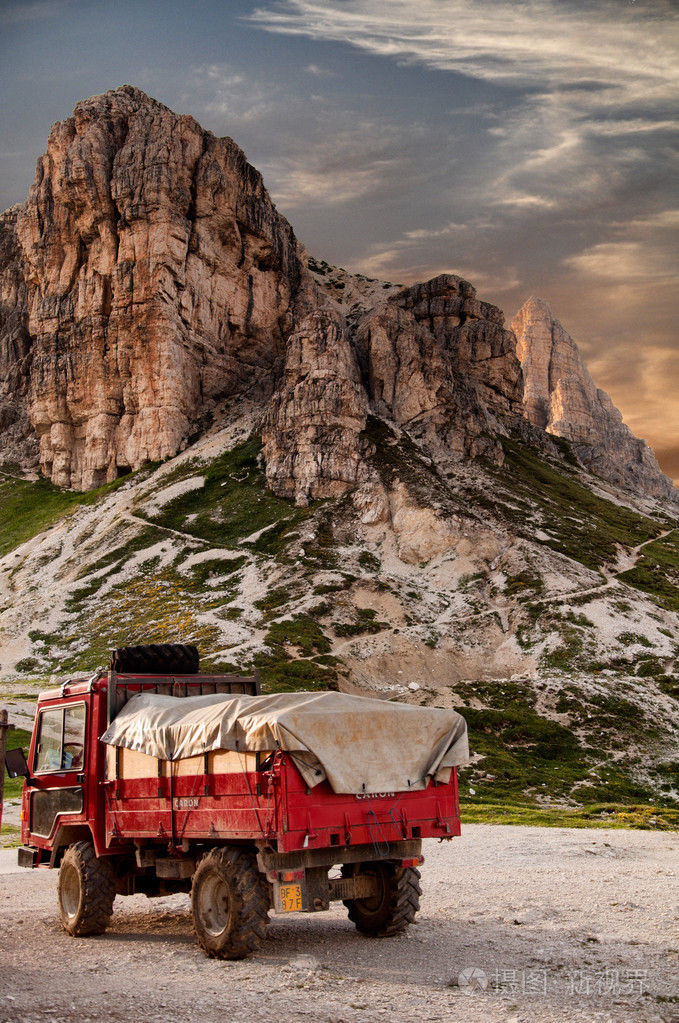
(157, 659)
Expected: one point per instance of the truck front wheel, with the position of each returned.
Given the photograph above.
(394, 907)
(86, 890)
(230, 903)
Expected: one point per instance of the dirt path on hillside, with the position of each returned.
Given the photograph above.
(559, 925)
(624, 563)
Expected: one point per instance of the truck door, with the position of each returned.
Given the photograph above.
(58, 766)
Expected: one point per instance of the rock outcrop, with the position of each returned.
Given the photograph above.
(440, 363)
(156, 276)
(311, 432)
(561, 398)
(19, 441)
(432, 359)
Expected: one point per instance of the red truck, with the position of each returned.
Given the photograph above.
(244, 829)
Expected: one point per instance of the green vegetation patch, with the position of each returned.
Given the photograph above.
(114, 560)
(10, 836)
(211, 569)
(274, 601)
(532, 492)
(364, 622)
(345, 584)
(28, 507)
(527, 757)
(302, 632)
(523, 581)
(233, 504)
(670, 686)
(582, 525)
(657, 571)
(140, 538)
(597, 815)
(320, 554)
(524, 754)
(650, 667)
(368, 561)
(566, 656)
(281, 672)
(599, 712)
(159, 605)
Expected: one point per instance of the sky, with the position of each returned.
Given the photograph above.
(529, 146)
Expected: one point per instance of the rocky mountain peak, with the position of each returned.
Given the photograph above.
(561, 398)
(147, 275)
(148, 281)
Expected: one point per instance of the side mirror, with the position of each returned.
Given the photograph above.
(15, 762)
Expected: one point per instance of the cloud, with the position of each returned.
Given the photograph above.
(18, 11)
(304, 164)
(640, 391)
(357, 159)
(218, 92)
(525, 44)
(624, 319)
(643, 254)
(319, 72)
(459, 248)
(577, 78)
(626, 263)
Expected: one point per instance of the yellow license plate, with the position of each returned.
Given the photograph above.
(290, 896)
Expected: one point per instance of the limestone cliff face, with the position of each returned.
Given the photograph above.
(430, 358)
(311, 431)
(156, 277)
(440, 363)
(561, 398)
(19, 442)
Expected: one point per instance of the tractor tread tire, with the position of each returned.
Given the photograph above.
(397, 906)
(157, 659)
(86, 890)
(241, 927)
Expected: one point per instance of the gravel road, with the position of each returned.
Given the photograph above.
(517, 924)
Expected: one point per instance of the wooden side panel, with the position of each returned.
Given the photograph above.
(132, 764)
(219, 761)
(225, 762)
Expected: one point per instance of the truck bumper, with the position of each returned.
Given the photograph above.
(27, 857)
(268, 859)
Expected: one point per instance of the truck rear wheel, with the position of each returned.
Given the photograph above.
(230, 902)
(85, 891)
(389, 912)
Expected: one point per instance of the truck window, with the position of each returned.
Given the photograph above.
(61, 739)
(74, 737)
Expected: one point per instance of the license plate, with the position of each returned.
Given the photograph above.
(290, 898)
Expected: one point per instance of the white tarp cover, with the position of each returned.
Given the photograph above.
(358, 744)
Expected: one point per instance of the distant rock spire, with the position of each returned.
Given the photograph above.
(561, 398)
